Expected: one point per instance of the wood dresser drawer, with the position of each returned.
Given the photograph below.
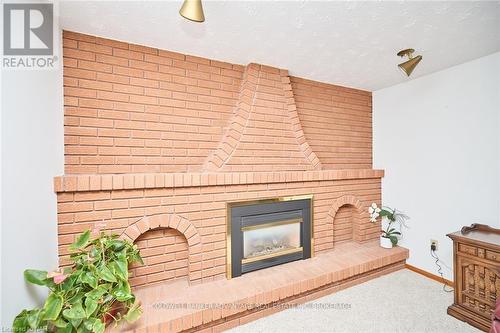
(492, 255)
(468, 249)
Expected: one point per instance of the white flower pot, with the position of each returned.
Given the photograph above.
(385, 243)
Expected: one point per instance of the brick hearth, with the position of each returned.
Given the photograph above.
(223, 304)
(157, 143)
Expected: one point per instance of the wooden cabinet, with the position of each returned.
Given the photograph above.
(476, 274)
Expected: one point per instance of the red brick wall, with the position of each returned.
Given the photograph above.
(157, 142)
(337, 122)
(129, 108)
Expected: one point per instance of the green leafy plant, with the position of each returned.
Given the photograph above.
(90, 294)
(393, 216)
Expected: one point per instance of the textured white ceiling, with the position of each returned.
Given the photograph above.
(348, 43)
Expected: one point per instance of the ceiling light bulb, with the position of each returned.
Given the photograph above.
(408, 66)
(192, 10)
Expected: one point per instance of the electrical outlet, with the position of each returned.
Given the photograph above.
(435, 244)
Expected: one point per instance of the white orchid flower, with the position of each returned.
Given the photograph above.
(374, 208)
(374, 211)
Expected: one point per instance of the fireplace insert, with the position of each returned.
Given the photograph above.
(268, 233)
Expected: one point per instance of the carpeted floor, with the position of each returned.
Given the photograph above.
(403, 301)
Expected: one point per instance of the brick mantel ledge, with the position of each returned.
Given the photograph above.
(84, 183)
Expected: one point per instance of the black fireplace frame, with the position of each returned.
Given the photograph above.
(254, 213)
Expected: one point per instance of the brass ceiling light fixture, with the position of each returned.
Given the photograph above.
(408, 66)
(192, 10)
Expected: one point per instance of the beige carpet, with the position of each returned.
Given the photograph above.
(403, 301)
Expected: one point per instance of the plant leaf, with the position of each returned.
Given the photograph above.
(108, 298)
(394, 239)
(75, 312)
(33, 318)
(36, 277)
(75, 323)
(69, 282)
(20, 323)
(61, 323)
(99, 326)
(136, 257)
(89, 279)
(52, 306)
(121, 268)
(122, 293)
(94, 252)
(90, 306)
(133, 313)
(98, 292)
(77, 296)
(81, 241)
(89, 323)
(106, 274)
(66, 329)
(117, 245)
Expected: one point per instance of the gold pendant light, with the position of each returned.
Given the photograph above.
(408, 66)
(192, 10)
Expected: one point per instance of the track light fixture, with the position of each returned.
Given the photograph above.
(408, 66)
(192, 10)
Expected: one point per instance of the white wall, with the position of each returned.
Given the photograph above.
(437, 137)
(32, 154)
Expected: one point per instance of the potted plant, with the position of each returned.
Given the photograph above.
(92, 293)
(390, 235)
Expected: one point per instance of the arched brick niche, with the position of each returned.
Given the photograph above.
(350, 208)
(345, 221)
(170, 245)
(165, 254)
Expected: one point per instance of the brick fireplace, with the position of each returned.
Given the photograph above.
(192, 210)
(157, 144)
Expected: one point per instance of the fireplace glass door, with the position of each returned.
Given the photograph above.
(271, 239)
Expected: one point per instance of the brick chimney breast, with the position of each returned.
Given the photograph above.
(265, 132)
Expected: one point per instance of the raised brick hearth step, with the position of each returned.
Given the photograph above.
(219, 305)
